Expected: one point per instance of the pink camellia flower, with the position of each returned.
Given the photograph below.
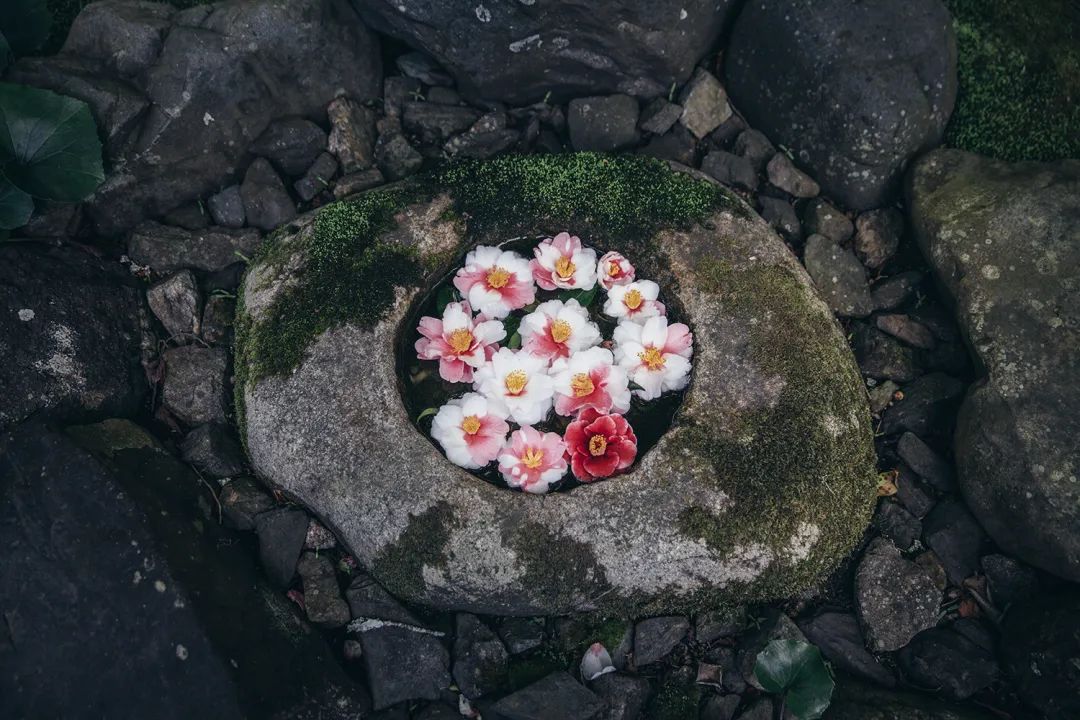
(634, 301)
(470, 430)
(614, 269)
(558, 330)
(532, 460)
(563, 264)
(495, 281)
(459, 342)
(655, 355)
(590, 379)
(599, 445)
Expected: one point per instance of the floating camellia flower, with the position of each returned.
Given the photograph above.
(532, 460)
(599, 445)
(557, 330)
(470, 430)
(613, 269)
(495, 281)
(518, 383)
(563, 264)
(634, 301)
(459, 342)
(590, 379)
(655, 355)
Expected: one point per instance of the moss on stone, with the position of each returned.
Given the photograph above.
(557, 561)
(523, 671)
(677, 698)
(400, 567)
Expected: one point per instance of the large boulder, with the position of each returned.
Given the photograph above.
(1003, 241)
(517, 52)
(181, 95)
(69, 334)
(854, 88)
(765, 482)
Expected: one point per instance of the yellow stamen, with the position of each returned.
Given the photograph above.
(652, 358)
(516, 381)
(497, 278)
(633, 299)
(597, 445)
(564, 267)
(582, 385)
(460, 340)
(532, 458)
(471, 424)
(560, 331)
(614, 270)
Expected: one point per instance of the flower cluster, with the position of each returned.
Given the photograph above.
(555, 358)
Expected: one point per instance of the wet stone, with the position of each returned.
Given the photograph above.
(655, 638)
(730, 169)
(755, 147)
(838, 636)
(213, 451)
(625, 695)
(781, 217)
(659, 115)
(404, 664)
(227, 207)
(291, 144)
(266, 202)
(195, 384)
(895, 598)
(396, 157)
(839, 276)
(352, 134)
(602, 123)
(217, 320)
(910, 331)
(281, 535)
(322, 595)
(894, 291)
(955, 537)
(521, 634)
(480, 658)
(896, 523)
(784, 175)
(821, 217)
(928, 406)
(242, 499)
(317, 178)
(704, 103)
(881, 357)
(175, 302)
(926, 462)
(877, 236)
(556, 697)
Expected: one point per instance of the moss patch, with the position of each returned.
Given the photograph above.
(677, 698)
(400, 568)
(552, 561)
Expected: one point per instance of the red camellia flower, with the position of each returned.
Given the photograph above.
(600, 445)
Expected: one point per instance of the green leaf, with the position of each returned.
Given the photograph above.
(584, 297)
(15, 206)
(5, 53)
(514, 342)
(796, 670)
(424, 413)
(444, 298)
(49, 146)
(26, 24)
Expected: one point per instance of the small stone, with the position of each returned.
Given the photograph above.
(775, 626)
(892, 292)
(397, 90)
(929, 562)
(733, 170)
(420, 67)
(781, 217)
(281, 534)
(760, 709)
(896, 599)
(727, 660)
(358, 182)
(1010, 581)
(370, 601)
(894, 522)
(912, 493)
(838, 276)
(212, 449)
(927, 408)
(266, 202)
(521, 634)
(877, 236)
(659, 115)
(488, 136)
(726, 133)
(784, 175)
(228, 278)
(720, 707)
(352, 650)
(175, 302)
(655, 638)
(227, 207)
(678, 145)
(433, 123)
(352, 134)
(318, 537)
(704, 102)
(291, 144)
(955, 661)
(881, 357)
(242, 499)
(480, 658)
(191, 216)
(955, 537)
(820, 217)
(53, 219)
(556, 697)
(840, 640)
(443, 96)
(881, 395)
(625, 695)
(322, 595)
(217, 320)
(404, 664)
(755, 147)
(317, 178)
(166, 249)
(910, 331)
(602, 123)
(716, 624)
(195, 384)
(926, 463)
(396, 157)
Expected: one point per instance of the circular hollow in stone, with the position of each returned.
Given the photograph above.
(764, 483)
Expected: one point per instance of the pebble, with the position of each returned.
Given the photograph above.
(954, 535)
(521, 635)
(839, 277)
(822, 218)
(895, 522)
(602, 123)
(404, 664)
(322, 594)
(434, 123)
(913, 493)
(956, 661)
(166, 249)
(781, 217)
(784, 175)
(926, 462)
(396, 157)
(194, 389)
(678, 145)
(1009, 580)
(281, 534)
(877, 236)
(352, 134)
(369, 600)
(625, 695)
(175, 302)
(267, 204)
(881, 395)
(896, 599)
(894, 291)
(704, 103)
(733, 170)
(213, 451)
(755, 147)
(317, 178)
(358, 182)
(655, 638)
(217, 320)
(910, 331)
(840, 640)
(720, 707)
(555, 697)
(927, 408)
(880, 356)
(659, 115)
(480, 658)
(227, 207)
(291, 144)
(242, 499)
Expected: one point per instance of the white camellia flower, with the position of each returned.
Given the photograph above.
(557, 330)
(655, 355)
(518, 383)
(495, 281)
(590, 379)
(634, 301)
(470, 430)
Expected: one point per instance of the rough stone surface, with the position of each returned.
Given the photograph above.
(404, 664)
(927, 408)
(322, 596)
(242, 499)
(195, 379)
(291, 144)
(820, 217)
(910, 331)
(915, 495)
(352, 137)
(877, 236)
(370, 601)
(479, 657)
(838, 636)
(519, 52)
(282, 533)
(926, 462)
(434, 123)
(853, 700)
(317, 178)
(781, 217)
(556, 697)
(175, 302)
(957, 661)
(124, 36)
(212, 449)
(227, 207)
(955, 537)
(839, 276)
(655, 638)
(217, 320)
(784, 175)
(854, 89)
(358, 182)
(1009, 581)
(894, 291)
(1002, 241)
(166, 249)
(625, 695)
(602, 123)
(658, 116)
(734, 170)
(70, 329)
(895, 522)
(1040, 642)
(266, 202)
(896, 598)
(755, 147)
(396, 157)
(704, 103)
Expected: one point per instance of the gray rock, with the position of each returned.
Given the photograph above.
(678, 145)
(444, 96)
(894, 291)
(70, 334)
(317, 178)
(853, 89)
(267, 204)
(124, 36)
(404, 664)
(191, 216)
(227, 207)
(281, 534)
(480, 658)
(716, 624)
(212, 449)
(704, 103)
(323, 603)
(881, 395)
(291, 144)
(352, 137)
(1010, 264)
(482, 141)
(370, 601)
(396, 157)
(720, 707)
(434, 123)
(926, 462)
(927, 408)
(774, 626)
(358, 182)
(915, 495)
(602, 123)
(838, 637)
(781, 217)
(894, 522)
(1009, 581)
(658, 116)
(53, 220)
(955, 537)
(166, 249)
(521, 634)
(217, 320)
(839, 276)
(655, 638)
(896, 599)
(421, 67)
(760, 709)
(556, 697)
(725, 134)
(242, 499)
(318, 537)
(820, 217)
(518, 53)
(784, 175)
(1040, 641)
(877, 236)
(910, 331)
(882, 357)
(733, 170)
(398, 89)
(755, 147)
(624, 695)
(852, 700)
(175, 301)
(195, 384)
(949, 661)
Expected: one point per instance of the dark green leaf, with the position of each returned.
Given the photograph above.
(49, 146)
(511, 324)
(15, 206)
(424, 413)
(584, 297)
(26, 24)
(444, 298)
(514, 342)
(5, 53)
(796, 670)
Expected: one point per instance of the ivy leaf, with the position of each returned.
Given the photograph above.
(424, 413)
(26, 24)
(15, 206)
(796, 670)
(49, 147)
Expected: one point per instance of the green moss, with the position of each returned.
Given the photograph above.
(523, 671)
(556, 561)
(400, 567)
(1019, 78)
(677, 698)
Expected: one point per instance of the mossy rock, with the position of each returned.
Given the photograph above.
(765, 482)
